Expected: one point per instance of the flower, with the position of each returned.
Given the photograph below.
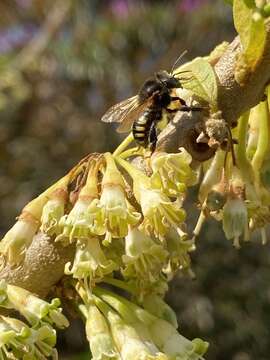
(159, 211)
(34, 309)
(90, 261)
(80, 221)
(99, 335)
(157, 335)
(172, 172)
(143, 258)
(116, 212)
(130, 343)
(19, 238)
(178, 247)
(235, 220)
(16, 241)
(19, 341)
(53, 211)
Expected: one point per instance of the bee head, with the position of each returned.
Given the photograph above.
(168, 80)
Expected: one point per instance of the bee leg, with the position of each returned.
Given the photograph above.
(191, 108)
(182, 101)
(171, 111)
(152, 137)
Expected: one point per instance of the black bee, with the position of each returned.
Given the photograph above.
(142, 112)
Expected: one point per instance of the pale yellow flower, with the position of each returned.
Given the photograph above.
(172, 172)
(143, 259)
(16, 241)
(53, 211)
(90, 261)
(160, 213)
(116, 213)
(235, 220)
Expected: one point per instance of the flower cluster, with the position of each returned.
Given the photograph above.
(235, 189)
(127, 227)
(35, 339)
(118, 328)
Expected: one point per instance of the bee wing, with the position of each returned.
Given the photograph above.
(125, 113)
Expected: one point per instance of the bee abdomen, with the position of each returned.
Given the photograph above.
(141, 127)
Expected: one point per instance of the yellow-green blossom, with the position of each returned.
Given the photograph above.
(99, 335)
(172, 172)
(81, 219)
(157, 332)
(143, 258)
(235, 220)
(130, 343)
(116, 213)
(178, 247)
(53, 211)
(160, 213)
(18, 238)
(19, 341)
(34, 309)
(16, 241)
(90, 261)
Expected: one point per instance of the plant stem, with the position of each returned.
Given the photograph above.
(124, 144)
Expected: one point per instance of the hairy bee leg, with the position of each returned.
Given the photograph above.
(172, 111)
(191, 108)
(182, 101)
(152, 137)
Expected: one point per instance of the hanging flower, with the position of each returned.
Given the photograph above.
(90, 261)
(81, 219)
(19, 341)
(53, 211)
(178, 247)
(159, 336)
(116, 212)
(159, 211)
(235, 220)
(34, 309)
(16, 241)
(143, 258)
(172, 172)
(130, 343)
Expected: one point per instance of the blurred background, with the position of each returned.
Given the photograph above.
(62, 64)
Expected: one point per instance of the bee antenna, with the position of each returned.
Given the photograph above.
(178, 59)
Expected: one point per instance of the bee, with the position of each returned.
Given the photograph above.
(142, 112)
